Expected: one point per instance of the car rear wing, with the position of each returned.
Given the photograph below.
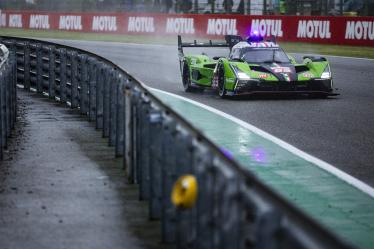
(230, 41)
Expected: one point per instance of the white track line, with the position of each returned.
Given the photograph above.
(323, 165)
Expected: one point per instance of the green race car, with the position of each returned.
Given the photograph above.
(253, 66)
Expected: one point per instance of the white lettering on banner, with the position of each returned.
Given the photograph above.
(222, 27)
(70, 22)
(267, 27)
(359, 30)
(141, 24)
(2, 19)
(104, 23)
(313, 29)
(15, 21)
(39, 22)
(180, 25)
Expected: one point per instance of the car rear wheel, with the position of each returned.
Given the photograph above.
(221, 82)
(186, 79)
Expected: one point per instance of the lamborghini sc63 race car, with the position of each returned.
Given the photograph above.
(253, 66)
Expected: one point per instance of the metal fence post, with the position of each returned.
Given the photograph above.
(120, 113)
(155, 161)
(93, 72)
(106, 102)
(39, 68)
(83, 94)
(2, 113)
(63, 74)
(100, 79)
(169, 176)
(74, 97)
(52, 72)
(26, 66)
(113, 106)
(185, 233)
(127, 150)
(144, 159)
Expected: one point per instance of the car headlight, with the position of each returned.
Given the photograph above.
(240, 74)
(326, 73)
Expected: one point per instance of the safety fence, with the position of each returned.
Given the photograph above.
(233, 208)
(8, 98)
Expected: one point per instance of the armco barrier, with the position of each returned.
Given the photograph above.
(318, 29)
(234, 209)
(8, 98)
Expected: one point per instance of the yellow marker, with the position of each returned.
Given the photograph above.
(184, 194)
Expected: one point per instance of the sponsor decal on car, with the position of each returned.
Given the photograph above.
(263, 75)
(281, 69)
(308, 75)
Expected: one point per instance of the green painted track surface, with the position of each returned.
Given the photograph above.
(334, 203)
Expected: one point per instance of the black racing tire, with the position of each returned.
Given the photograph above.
(221, 82)
(186, 78)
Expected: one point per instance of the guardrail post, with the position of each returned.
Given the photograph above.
(204, 171)
(8, 97)
(101, 71)
(13, 79)
(169, 176)
(74, 98)
(2, 114)
(26, 66)
(133, 139)
(3, 111)
(63, 74)
(127, 127)
(120, 113)
(144, 139)
(93, 76)
(39, 68)
(52, 72)
(83, 85)
(155, 162)
(106, 102)
(113, 106)
(185, 233)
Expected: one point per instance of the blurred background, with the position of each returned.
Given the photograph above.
(250, 7)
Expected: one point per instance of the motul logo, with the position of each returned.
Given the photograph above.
(39, 22)
(2, 19)
(70, 23)
(180, 25)
(222, 27)
(104, 23)
(267, 27)
(141, 24)
(314, 29)
(15, 21)
(359, 30)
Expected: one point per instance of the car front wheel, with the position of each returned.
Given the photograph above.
(221, 82)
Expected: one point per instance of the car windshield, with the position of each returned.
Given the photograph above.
(264, 56)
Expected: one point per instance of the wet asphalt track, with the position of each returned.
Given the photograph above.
(338, 130)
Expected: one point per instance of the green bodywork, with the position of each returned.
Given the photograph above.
(206, 68)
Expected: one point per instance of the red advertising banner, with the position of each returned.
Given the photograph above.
(316, 29)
